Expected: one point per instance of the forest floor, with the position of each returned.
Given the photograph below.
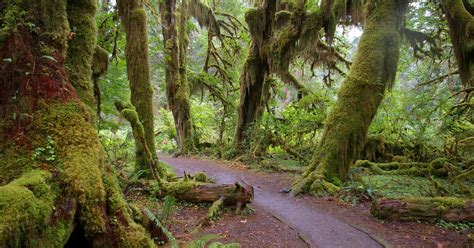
(305, 221)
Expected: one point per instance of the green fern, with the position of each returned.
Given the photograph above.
(202, 241)
(167, 210)
(165, 230)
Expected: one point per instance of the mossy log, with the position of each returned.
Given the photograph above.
(411, 168)
(426, 208)
(191, 191)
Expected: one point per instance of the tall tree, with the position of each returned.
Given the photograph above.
(373, 70)
(177, 89)
(256, 69)
(461, 29)
(55, 183)
(133, 15)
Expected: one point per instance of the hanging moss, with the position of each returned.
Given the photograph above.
(82, 45)
(373, 70)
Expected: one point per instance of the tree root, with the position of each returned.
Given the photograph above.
(315, 184)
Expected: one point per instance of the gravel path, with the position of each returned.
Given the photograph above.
(317, 228)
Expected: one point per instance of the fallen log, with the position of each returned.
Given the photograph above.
(192, 191)
(426, 208)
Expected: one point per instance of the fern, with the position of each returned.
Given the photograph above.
(165, 230)
(202, 241)
(167, 210)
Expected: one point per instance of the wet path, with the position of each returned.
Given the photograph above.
(315, 227)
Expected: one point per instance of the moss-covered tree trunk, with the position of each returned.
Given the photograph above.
(461, 29)
(55, 184)
(177, 90)
(133, 15)
(373, 70)
(255, 71)
(83, 38)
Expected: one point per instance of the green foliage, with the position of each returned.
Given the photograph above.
(204, 240)
(167, 209)
(165, 230)
(458, 226)
(46, 153)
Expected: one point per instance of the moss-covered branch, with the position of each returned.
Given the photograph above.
(145, 161)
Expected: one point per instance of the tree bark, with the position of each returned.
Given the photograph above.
(374, 69)
(232, 194)
(255, 71)
(55, 184)
(177, 90)
(446, 208)
(133, 15)
(81, 18)
(461, 30)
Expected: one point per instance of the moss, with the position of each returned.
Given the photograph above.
(100, 62)
(345, 127)
(81, 17)
(81, 173)
(201, 177)
(144, 160)
(177, 88)
(215, 209)
(26, 206)
(173, 188)
(134, 20)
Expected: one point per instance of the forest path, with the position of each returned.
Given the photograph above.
(316, 227)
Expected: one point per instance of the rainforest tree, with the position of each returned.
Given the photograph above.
(134, 19)
(177, 89)
(256, 70)
(55, 183)
(372, 72)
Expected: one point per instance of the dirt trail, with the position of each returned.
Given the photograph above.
(316, 227)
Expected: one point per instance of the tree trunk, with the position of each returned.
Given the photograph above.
(447, 208)
(255, 70)
(55, 184)
(81, 18)
(134, 17)
(177, 90)
(374, 69)
(141, 149)
(461, 30)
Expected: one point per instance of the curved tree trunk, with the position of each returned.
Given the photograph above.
(55, 184)
(255, 70)
(133, 16)
(177, 90)
(346, 127)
